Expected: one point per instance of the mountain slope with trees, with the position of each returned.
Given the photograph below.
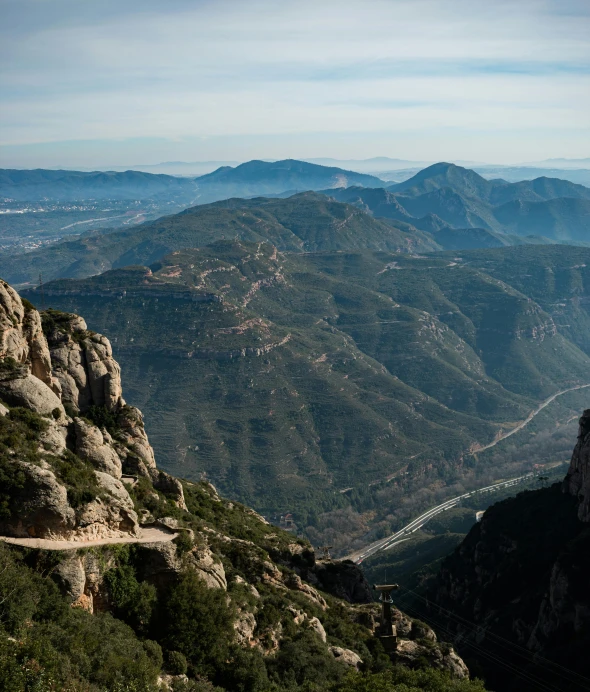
(334, 373)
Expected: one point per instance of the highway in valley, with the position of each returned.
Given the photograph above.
(359, 555)
(418, 523)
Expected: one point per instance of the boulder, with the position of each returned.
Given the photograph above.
(345, 656)
(53, 439)
(109, 516)
(41, 508)
(31, 393)
(209, 569)
(244, 626)
(318, 628)
(169, 485)
(412, 653)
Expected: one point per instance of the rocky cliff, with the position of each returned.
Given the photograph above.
(83, 503)
(515, 593)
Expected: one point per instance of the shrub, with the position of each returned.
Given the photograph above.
(198, 622)
(183, 542)
(103, 418)
(133, 601)
(176, 663)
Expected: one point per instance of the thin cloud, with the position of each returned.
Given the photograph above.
(106, 70)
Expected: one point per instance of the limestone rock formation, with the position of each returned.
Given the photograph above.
(411, 653)
(30, 392)
(83, 363)
(48, 364)
(91, 446)
(41, 508)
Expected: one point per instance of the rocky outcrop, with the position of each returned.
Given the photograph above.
(41, 508)
(161, 564)
(341, 578)
(83, 364)
(577, 481)
(347, 657)
(81, 577)
(413, 654)
(30, 392)
(47, 365)
(92, 446)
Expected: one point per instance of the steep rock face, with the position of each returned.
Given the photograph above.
(83, 363)
(45, 363)
(577, 481)
(342, 579)
(522, 574)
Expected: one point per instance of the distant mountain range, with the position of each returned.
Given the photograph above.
(259, 178)
(446, 195)
(443, 207)
(40, 184)
(246, 180)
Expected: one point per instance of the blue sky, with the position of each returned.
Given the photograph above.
(103, 82)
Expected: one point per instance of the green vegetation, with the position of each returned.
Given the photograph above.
(19, 435)
(10, 369)
(46, 645)
(290, 378)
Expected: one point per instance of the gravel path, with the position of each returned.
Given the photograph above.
(151, 535)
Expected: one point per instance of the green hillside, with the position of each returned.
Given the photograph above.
(289, 379)
(304, 223)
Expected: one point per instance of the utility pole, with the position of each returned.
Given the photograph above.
(386, 632)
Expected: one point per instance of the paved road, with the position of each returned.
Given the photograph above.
(151, 535)
(530, 417)
(418, 523)
(359, 555)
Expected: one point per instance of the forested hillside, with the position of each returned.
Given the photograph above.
(304, 382)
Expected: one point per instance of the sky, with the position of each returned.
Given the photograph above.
(93, 83)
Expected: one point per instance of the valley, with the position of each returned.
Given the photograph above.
(330, 372)
(330, 354)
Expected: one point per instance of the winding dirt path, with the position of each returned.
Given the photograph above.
(151, 535)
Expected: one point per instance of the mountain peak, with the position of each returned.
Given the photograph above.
(461, 180)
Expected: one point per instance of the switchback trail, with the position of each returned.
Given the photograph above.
(151, 535)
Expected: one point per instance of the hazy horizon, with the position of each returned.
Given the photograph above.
(137, 83)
